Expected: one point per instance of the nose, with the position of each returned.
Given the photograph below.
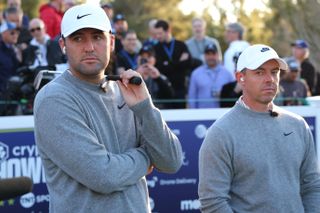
(89, 46)
(269, 77)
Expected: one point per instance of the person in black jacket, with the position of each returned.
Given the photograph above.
(159, 86)
(9, 62)
(300, 50)
(173, 60)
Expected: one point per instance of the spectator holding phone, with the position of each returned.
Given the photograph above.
(159, 86)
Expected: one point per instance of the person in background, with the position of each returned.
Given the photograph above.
(173, 60)
(259, 157)
(17, 4)
(293, 89)
(108, 9)
(207, 80)
(42, 53)
(234, 37)
(152, 40)
(127, 57)
(159, 86)
(51, 13)
(231, 92)
(9, 62)
(197, 43)
(113, 136)
(120, 25)
(14, 15)
(301, 52)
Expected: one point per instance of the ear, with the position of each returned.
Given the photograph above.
(62, 45)
(240, 77)
(112, 42)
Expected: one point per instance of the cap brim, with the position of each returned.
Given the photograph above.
(257, 64)
(69, 32)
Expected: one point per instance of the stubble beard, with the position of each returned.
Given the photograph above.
(92, 70)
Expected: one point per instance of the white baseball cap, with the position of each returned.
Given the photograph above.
(84, 16)
(256, 55)
(6, 25)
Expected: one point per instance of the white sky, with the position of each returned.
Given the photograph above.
(198, 6)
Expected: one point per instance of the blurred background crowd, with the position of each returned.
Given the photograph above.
(185, 50)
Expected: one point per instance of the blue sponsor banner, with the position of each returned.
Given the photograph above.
(169, 193)
(178, 192)
(22, 159)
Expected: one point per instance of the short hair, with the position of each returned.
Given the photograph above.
(125, 34)
(200, 20)
(12, 10)
(162, 24)
(237, 27)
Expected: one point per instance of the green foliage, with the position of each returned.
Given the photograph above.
(31, 7)
(138, 13)
(296, 20)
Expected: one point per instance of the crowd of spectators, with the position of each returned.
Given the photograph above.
(195, 73)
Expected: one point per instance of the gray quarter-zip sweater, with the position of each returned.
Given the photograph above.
(95, 150)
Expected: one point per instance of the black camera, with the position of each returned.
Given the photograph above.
(143, 61)
(20, 91)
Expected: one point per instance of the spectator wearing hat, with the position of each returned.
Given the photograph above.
(108, 8)
(207, 80)
(293, 89)
(159, 86)
(14, 15)
(173, 60)
(234, 37)
(8, 57)
(301, 52)
(258, 157)
(200, 40)
(120, 25)
(127, 56)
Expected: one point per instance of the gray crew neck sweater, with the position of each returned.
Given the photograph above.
(96, 150)
(252, 162)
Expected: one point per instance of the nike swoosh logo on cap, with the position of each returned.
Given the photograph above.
(80, 17)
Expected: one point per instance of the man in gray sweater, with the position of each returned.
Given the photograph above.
(259, 157)
(97, 143)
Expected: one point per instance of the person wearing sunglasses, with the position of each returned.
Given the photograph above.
(42, 52)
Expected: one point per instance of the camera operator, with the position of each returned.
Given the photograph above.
(159, 86)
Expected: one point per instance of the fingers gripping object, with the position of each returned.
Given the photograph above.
(134, 80)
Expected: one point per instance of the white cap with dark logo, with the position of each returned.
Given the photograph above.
(84, 16)
(256, 55)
